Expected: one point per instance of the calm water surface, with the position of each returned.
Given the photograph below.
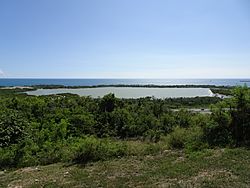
(129, 92)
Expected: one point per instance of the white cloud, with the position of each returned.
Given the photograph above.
(2, 73)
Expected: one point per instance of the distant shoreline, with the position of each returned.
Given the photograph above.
(35, 87)
(244, 80)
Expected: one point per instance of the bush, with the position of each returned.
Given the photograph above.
(50, 153)
(27, 153)
(152, 135)
(216, 134)
(190, 139)
(195, 140)
(177, 138)
(92, 149)
(7, 157)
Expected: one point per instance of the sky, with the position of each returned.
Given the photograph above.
(125, 39)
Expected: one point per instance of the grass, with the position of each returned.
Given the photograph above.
(171, 168)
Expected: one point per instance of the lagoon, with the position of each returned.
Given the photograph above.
(129, 92)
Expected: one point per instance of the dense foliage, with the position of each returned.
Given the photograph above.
(47, 129)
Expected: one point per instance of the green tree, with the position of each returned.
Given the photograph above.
(81, 124)
(12, 127)
(240, 112)
(122, 122)
(108, 103)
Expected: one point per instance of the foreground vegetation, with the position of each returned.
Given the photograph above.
(170, 168)
(169, 146)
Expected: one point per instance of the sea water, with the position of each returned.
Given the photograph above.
(91, 82)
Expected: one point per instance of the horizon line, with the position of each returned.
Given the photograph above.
(59, 78)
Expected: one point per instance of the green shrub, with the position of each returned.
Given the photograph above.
(50, 152)
(190, 139)
(177, 138)
(7, 157)
(93, 149)
(27, 153)
(195, 139)
(216, 134)
(152, 135)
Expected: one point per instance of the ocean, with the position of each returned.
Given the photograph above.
(91, 82)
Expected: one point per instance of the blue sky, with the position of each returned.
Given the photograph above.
(125, 38)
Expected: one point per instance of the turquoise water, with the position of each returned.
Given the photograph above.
(129, 92)
(91, 82)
